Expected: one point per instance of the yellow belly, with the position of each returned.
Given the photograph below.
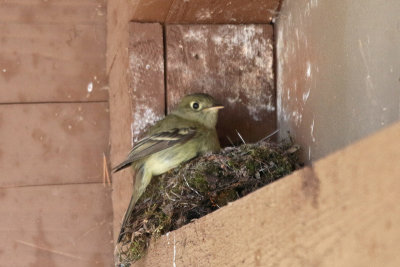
(167, 159)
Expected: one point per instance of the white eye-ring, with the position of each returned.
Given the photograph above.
(195, 105)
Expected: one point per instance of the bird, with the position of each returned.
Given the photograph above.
(185, 133)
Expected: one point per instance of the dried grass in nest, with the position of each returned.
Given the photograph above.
(199, 187)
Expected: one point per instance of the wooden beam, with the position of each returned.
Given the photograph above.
(203, 11)
(225, 11)
(342, 211)
(136, 101)
(191, 12)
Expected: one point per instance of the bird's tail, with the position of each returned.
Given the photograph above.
(127, 218)
(122, 165)
(142, 179)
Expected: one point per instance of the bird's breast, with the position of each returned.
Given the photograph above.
(170, 158)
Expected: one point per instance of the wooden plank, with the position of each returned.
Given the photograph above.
(198, 11)
(120, 104)
(70, 12)
(120, 13)
(234, 63)
(68, 225)
(226, 11)
(153, 10)
(343, 211)
(52, 143)
(146, 68)
(137, 101)
(47, 63)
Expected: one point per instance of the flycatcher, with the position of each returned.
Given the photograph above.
(185, 133)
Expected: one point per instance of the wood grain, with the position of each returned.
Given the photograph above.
(136, 102)
(203, 11)
(51, 55)
(146, 69)
(83, 12)
(55, 211)
(234, 64)
(120, 105)
(343, 211)
(52, 143)
(151, 10)
(61, 225)
(232, 11)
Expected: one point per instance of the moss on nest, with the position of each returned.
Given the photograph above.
(201, 186)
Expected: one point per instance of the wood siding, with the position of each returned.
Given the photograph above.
(54, 128)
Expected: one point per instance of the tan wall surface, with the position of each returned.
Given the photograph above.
(338, 71)
(342, 211)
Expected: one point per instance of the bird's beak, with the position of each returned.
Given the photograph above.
(214, 108)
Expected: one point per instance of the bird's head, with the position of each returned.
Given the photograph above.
(199, 107)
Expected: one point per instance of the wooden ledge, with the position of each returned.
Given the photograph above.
(343, 211)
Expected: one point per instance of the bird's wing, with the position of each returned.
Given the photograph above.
(155, 143)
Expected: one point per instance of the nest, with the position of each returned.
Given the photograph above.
(199, 187)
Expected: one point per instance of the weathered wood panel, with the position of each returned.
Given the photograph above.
(119, 15)
(66, 225)
(53, 12)
(42, 63)
(136, 102)
(151, 11)
(58, 59)
(121, 12)
(234, 63)
(52, 143)
(343, 211)
(146, 69)
(203, 11)
(232, 11)
(53, 51)
(120, 103)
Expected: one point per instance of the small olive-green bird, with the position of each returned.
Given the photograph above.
(185, 133)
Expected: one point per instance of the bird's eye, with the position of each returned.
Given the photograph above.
(195, 105)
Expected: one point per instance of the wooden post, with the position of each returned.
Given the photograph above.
(137, 101)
